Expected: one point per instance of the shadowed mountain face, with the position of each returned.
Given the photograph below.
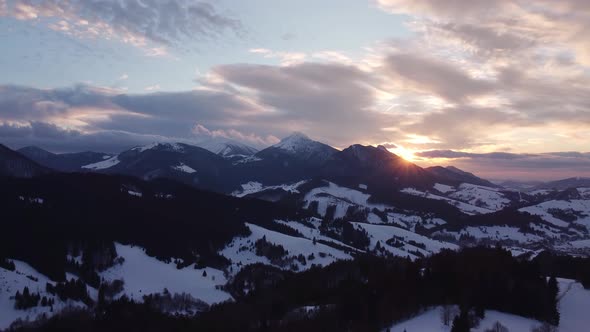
(13, 163)
(453, 174)
(66, 162)
(182, 162)
(375, 166)
(224, 166)
(294, 158)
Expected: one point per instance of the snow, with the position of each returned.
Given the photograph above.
(486, 197)
(584, 192)
(542, 210)
(134, 193)
(464, 207)
(103, 164)
(253, 187)
(25, 276)
(294, 142)
(241, 252)
(573, 306)
(249, 159)
(144, 275)
(382, 233)
(363, 186)
(580, 244)
(540, 192)
(184, 168)
(341, 197)
(498, 233)
(169, 146)
(311, 233)
(443, 188)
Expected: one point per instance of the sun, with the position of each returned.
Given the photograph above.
(407, 154)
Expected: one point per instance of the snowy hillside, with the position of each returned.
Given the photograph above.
(561, 213)
(573, 304)
(341, 198)
(26, 276)
(144, 275)
(243, 251)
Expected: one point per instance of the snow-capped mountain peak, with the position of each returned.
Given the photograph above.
(176, 147)
(294, 142)
(227, 148)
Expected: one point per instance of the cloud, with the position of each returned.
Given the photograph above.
(154, 87)
(389, 145)
(432, 75)
(139, 23)
(331, 101)
(522, 166)
(200, 130)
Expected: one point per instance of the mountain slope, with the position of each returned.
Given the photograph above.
(227, 148)
(374, 167)
(454, 175)
(15, 164)
(294, 158)
(568, 183)
(181, 162)
(66, 162)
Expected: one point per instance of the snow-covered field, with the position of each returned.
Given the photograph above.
(573, 308)
(341, 197)
(486, 197)
(183, 168)
(579, 206)
(464, 207)
(241, 251)
(26, 276)
(430, 321)
(382, 233)
(253, 187)
(496, 233)
(144, 275)
(103, 164)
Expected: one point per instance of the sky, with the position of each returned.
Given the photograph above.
(497, 87)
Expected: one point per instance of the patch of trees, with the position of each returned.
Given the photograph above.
(353, 236)
(28, 299)
(7, 264)
(577, 268)
(274, 252)
(174, 303)
(73, 289)
(568, 215)
(91, 211)
(365, 294)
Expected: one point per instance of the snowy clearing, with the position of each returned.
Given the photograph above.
(382, 233)
(253, 187)
(340, 197)
(144, 275)
(183, 168)
(430, 321)
(241, 251)
(103, 164)
(443, 188)
(579, 209)
(26, 276)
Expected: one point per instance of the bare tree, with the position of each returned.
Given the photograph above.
(545, 327)
(497, 327)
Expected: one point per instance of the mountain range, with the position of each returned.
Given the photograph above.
(224, 166)
(214, 223)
